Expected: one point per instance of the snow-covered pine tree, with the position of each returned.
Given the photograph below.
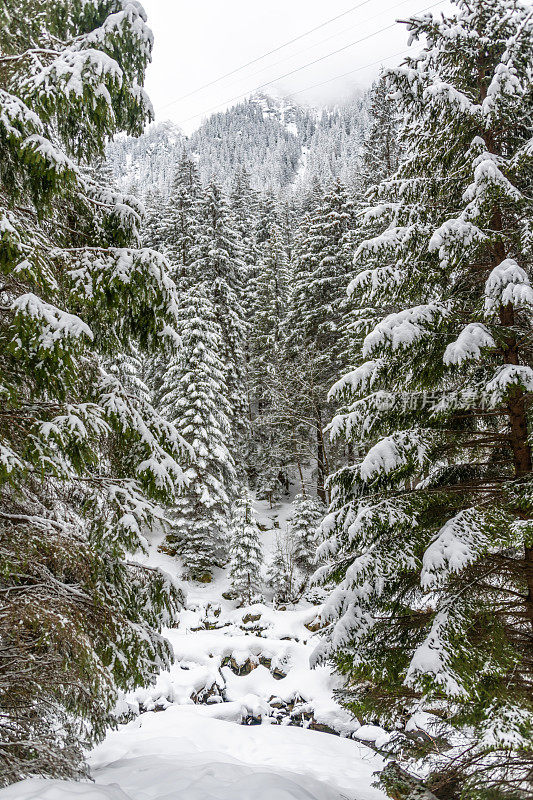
(270, 292)
(380, 152)
(430, 533)
(154, 233)
(244, 206)
(180, 221)
(268, 295)
(245, 551)
(194, 398)
(84, 461)
(173, 229)
(314, 342)
(281, 574)
(217, 262)
(303, 524)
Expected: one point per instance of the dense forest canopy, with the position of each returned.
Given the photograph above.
(283, 365)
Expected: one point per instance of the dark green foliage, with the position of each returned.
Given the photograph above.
(429, 536)
(84, 457)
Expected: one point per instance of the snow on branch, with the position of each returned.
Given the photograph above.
(442, 92)
(457, 544)
(433, 657)
(488, 177)
(454, 233)
(75, 69)
(55, 324)
(374, 281)
(403, 329)
(360, 379)
(78, 422)
(14, 114)
(508, 284)
(506, 379)
(402, 449)
(468, 344)
(133, 16)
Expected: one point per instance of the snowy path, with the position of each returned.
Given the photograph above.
(187, 740)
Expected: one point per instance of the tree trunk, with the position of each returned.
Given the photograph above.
(320, 460)
(516, 410)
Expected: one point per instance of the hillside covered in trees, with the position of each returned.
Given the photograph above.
(266, 524)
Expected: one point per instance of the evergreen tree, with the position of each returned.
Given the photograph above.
(270, 292)
(217, 262)
(303, 527)
(245, 551)
(179, 223)
(314, 344)
(85, 462)
(194, 397)
(380, 152)
(280, 577)
(268, 300)
(244, 203)
(154, 232)
(430, 532)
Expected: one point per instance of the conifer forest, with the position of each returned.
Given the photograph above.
(266, 416)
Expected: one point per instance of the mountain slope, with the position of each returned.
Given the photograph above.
(280, 144)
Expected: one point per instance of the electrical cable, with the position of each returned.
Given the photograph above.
(269, 53)
(304, 66)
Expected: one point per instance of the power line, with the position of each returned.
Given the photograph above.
(304, 66)
(311, 47)
(351, 72)
(288, 74)
(270, 52)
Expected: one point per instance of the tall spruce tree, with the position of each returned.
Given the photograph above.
(281, 573)
(154, 233)
(179, 221)
(430, 532)
(314, 342)
(304, 523)
(380, 152)
(244, 205)
(194, 397)
(268, 296)
(84, 460)
(245, 551)
(217, 262)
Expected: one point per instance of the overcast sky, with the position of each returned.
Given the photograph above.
(198, 41)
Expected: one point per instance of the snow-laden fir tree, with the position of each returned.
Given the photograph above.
(246, 556)
(431, 532)
(172, 228)
(194, 398)
(281, 573)
(84, 461)
(380, 147)
(244, 207)
(270, 288)
(216, 260)
(314, 343)
(267, 296)
(179, 222)
(303, 524)
(154, 231)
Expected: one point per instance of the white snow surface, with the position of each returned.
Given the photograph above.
(189, 739)
(183, 755)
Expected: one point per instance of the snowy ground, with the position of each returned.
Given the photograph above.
(239, 716)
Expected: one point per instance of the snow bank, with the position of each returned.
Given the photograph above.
(191, 756)
(37, 789)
